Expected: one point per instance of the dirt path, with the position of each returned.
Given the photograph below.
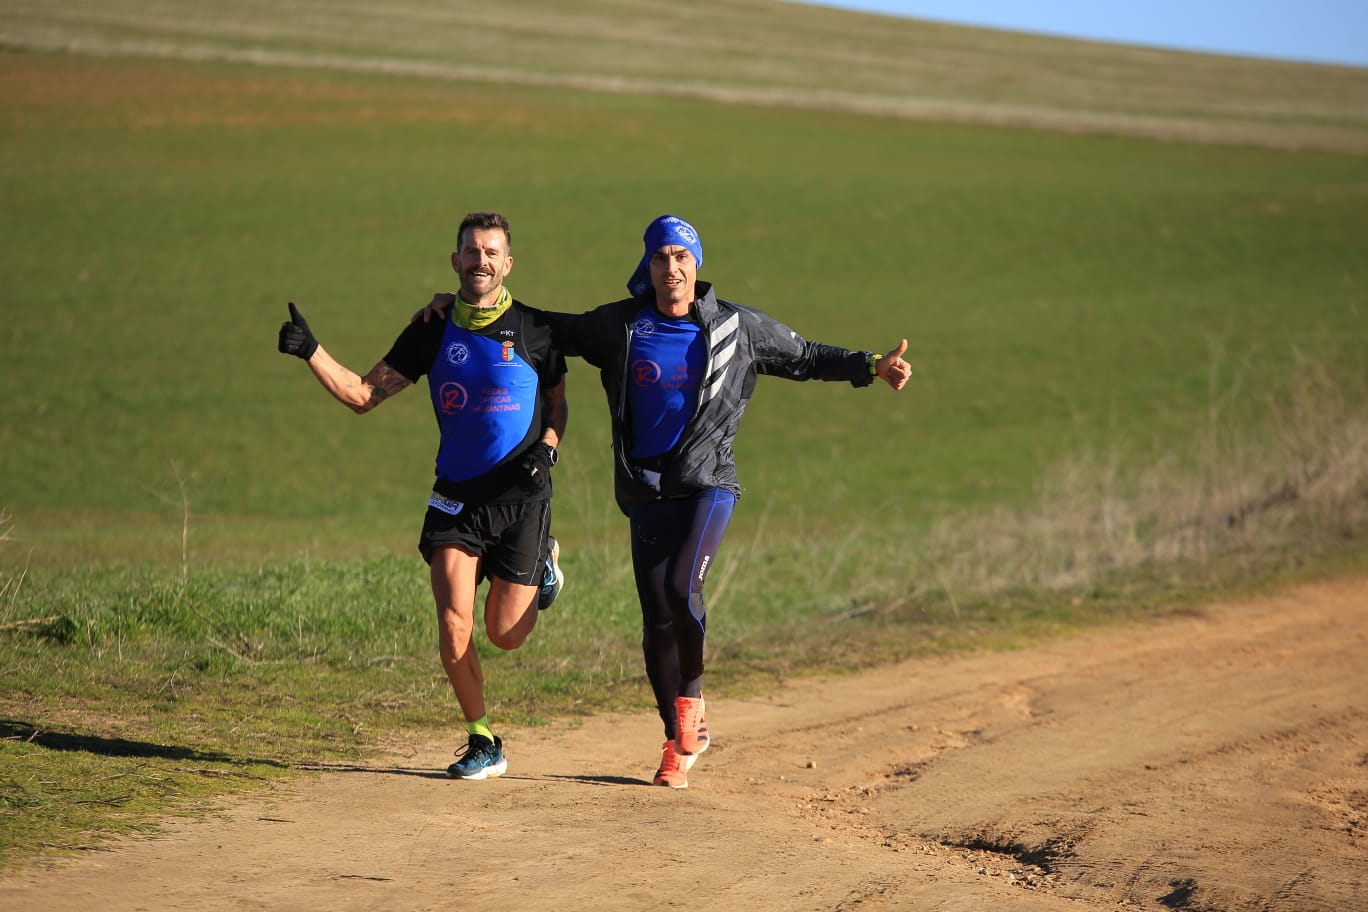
(1212, 762)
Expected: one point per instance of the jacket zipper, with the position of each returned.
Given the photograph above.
(621, 429)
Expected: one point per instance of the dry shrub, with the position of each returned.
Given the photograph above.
(9, 580)
(1291, 480)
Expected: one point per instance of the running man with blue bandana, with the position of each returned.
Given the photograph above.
(679, 365)
(497, 383)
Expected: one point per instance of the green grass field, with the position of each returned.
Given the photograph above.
(207, 567)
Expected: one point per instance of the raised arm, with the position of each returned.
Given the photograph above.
(441, 302)
(783, 353)
(586, 335)
(360, 394)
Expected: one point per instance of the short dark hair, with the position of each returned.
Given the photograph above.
(487, 221)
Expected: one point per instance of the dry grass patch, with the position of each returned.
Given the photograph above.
(1238, 498)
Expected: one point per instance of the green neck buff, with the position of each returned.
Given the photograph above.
(468, 316)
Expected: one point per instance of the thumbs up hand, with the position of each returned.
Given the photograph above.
(892, 369)
(295, 337)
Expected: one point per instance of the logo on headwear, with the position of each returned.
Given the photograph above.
(457, 353)
(685, 230)
(644, 373)
(451, 398)
(507, 353)
(643, 327)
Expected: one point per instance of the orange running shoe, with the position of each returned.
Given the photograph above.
(691, 728)
(672, 768)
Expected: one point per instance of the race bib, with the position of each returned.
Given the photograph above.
(445, 504)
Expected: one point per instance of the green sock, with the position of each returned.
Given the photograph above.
(480, 727)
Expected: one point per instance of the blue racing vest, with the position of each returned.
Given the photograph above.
(667, 359)
(485, 395)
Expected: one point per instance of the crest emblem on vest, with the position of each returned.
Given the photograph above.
(507, 353)
(457, 353)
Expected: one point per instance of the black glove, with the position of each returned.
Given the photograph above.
(295, 338)
(539, 459)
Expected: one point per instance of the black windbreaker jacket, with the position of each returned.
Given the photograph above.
(742, 344)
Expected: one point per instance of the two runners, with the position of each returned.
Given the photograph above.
(678, 366)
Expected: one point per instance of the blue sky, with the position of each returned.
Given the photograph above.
(1325, 31)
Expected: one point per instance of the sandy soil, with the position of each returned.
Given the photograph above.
(1217, 761)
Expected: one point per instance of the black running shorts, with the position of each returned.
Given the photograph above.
(510, 538)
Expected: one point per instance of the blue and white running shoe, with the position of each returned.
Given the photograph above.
(481, 759)
(554, 580)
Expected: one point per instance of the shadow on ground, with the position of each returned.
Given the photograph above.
(12, 730)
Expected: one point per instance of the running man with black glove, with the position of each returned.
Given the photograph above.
(497, 384)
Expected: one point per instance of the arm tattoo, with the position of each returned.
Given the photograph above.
(384, 382)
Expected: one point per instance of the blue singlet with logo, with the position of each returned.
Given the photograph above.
(667, 361)
(484, 394)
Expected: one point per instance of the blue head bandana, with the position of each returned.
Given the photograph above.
(666, 231)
